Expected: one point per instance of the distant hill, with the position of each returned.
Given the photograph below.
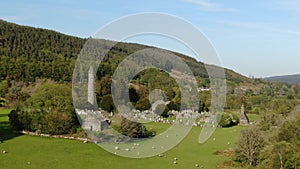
(290, 79)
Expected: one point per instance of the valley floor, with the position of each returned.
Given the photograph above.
(24, 151)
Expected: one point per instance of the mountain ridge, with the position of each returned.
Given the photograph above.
(290, 79)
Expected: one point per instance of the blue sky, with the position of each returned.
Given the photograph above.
(258, 37)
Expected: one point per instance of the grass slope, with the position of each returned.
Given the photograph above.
(37, 152)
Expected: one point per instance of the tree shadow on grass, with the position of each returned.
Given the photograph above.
(6, 131)
(3, 115)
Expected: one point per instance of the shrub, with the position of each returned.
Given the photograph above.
(107, 103)
(50, 110)
(228, 119)
(143, 104)
(134, 129)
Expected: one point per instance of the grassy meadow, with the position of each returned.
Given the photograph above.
(24, 151)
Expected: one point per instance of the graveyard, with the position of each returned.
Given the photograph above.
(25, 151)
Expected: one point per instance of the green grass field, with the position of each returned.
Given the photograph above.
(39, 152)
(253, 117)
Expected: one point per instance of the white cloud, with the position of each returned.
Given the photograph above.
(261, 26)
(241, 24)
(209, 6)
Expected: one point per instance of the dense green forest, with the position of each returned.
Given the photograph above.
(36, 67)
(28, 53)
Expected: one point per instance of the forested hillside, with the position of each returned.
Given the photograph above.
(31, 56)
(28, 53)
